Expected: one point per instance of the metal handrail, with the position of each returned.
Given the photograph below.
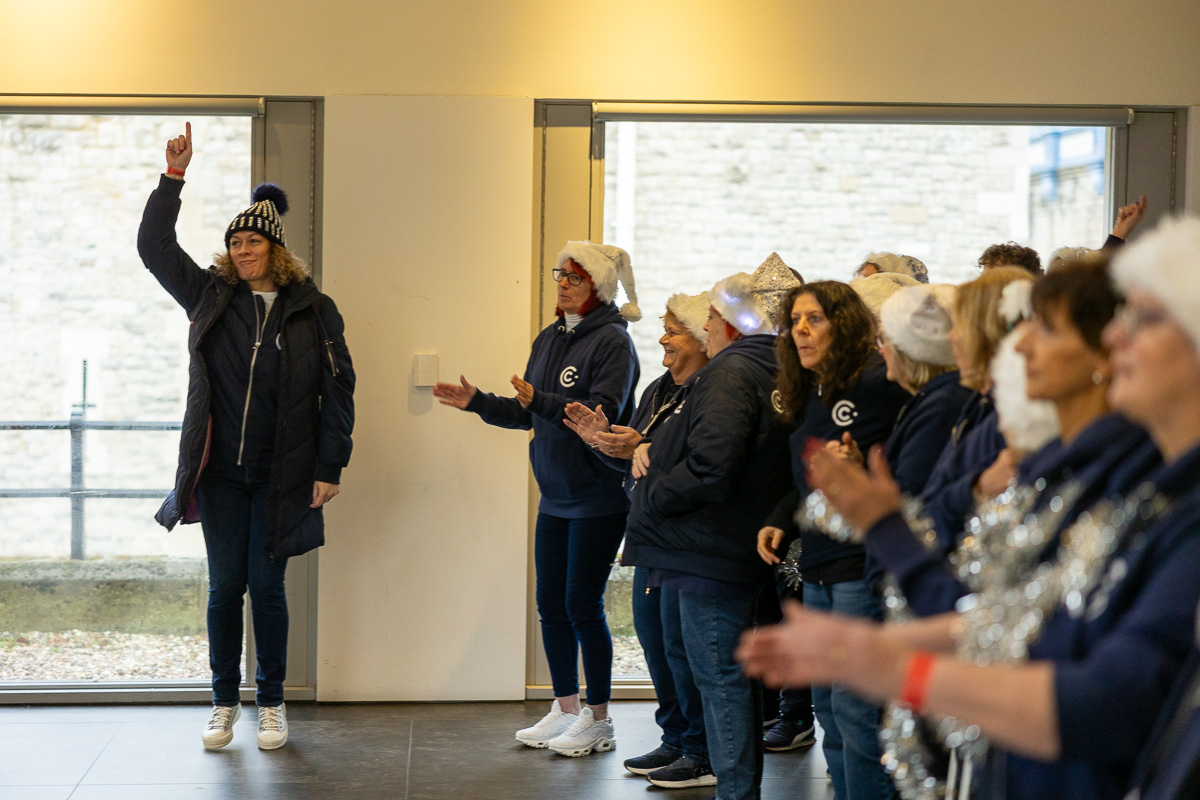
(77, 424)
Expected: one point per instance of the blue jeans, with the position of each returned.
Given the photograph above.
(851, 725)
(680, 709)
(233, 514)
(793, 705)
(572, 558)
(710, 626)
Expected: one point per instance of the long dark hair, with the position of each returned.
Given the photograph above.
(852, 346)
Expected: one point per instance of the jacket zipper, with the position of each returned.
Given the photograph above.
(329, 350)
(259, 329)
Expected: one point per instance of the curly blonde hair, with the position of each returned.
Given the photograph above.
(283, 267)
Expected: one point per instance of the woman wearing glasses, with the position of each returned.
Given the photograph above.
(584, 356)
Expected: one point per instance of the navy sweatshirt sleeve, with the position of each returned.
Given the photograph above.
(718, 445)
(503, 412)
(924, 577)
(337, 396)
(925, 437)
(614, 369)
(160, 250)
(950, 505)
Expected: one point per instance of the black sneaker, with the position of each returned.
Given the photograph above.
(788, 735)
(685, 772)
(661, 756)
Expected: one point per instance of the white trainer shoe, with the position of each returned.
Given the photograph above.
(585, 735)
(219, 730)
(548, 727)
(272, 727)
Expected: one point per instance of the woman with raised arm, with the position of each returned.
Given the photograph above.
(584, 356)
(266, 432)
(1099, 620)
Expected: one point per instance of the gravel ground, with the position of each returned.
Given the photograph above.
(102, 656)
(108, 656)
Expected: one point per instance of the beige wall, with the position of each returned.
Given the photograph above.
(1017, 51)
(427, 250)
(427, 219)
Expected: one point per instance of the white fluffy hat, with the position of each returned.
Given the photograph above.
(916, 320)
(772, 281)
(1163, 262)
(692, 312)
(1064, 255)
(899, 264)
(735, 300)
(606, 264)
(1026, 424)
(874, 289)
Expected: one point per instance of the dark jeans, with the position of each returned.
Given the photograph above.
(233, 513)
(794, 705)
(710, 626)
(680, 711)
(573, 558)
(851, 724)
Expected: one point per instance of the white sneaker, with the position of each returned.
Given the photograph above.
(547, 728)
(585, 735)
(219, 730)
(272, 727)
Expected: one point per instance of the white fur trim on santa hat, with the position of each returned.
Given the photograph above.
(1027, 424)
(692, 312)
(606, 264)
(916, 320)
(735, 300)
(874, 289)
(1164, 262)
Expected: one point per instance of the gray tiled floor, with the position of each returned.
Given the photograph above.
(358, 752)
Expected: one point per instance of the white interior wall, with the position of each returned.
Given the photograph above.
(427, 250)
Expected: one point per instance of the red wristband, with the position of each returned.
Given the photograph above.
(916, 680)
(173, 171)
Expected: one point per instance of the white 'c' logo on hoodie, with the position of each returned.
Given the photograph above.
(567, 378)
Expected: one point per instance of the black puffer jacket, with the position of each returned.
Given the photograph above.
(718, 464)
(315, 407)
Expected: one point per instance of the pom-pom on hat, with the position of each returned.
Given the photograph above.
(899, 264)
(270, 203)
(917, 321)
(772, 281)
(692, 312)
(1163, 263)
(735, 300)
(605, 264)
(874, 289)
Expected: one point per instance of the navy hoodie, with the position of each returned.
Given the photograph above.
(594, 364)
(718, 464)
(1115, 663)
(868, 410)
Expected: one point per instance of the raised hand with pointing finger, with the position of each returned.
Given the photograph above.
(179, 151)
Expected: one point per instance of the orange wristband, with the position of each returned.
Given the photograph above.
(173, 171)
(916, 680)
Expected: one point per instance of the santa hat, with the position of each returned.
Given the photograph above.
(916, 321)
(772, 281)
(692, 312)
(605, 264)
(1163, 263)
(735, 300)
(899, 264)
(1027, 424)
(874, 289)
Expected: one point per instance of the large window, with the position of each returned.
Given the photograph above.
(695, 201)
(91, 588)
